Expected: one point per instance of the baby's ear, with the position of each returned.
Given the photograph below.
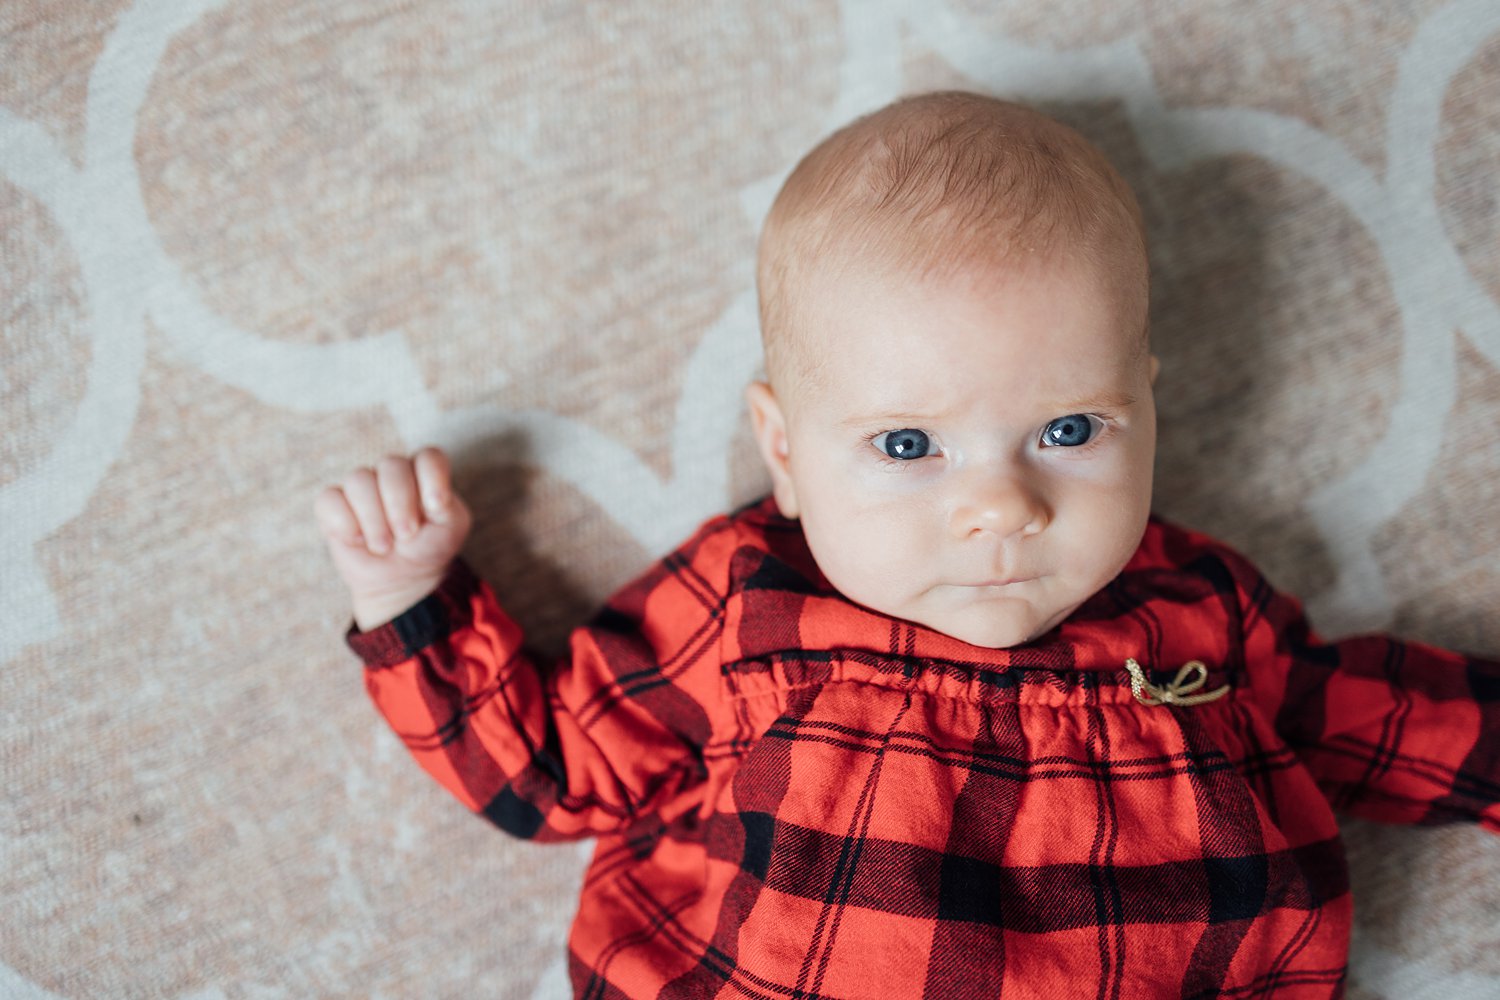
(769, 424)
(1155, 368)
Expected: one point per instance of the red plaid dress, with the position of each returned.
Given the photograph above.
(798, 797)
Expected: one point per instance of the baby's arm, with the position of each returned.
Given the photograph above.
(1394, 731)
(543, 751)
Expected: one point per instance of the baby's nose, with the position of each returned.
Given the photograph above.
(999, 505)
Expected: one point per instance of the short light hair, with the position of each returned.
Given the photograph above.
(934, 184)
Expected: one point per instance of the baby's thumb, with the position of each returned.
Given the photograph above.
(448, 513)
(437, 506)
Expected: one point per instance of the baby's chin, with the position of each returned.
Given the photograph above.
(992, 637)
(990, 631)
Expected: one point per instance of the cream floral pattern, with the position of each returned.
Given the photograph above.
(247, 245)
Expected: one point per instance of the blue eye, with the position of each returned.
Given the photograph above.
(905, 444)
(1071, 431)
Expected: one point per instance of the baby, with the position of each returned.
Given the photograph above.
(951, 714)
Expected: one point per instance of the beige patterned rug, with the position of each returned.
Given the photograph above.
(245, 246)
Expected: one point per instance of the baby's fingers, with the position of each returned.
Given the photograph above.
(335, 519)
(435, 484)
(398, 494)
(362, 492)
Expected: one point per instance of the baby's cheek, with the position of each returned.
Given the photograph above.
(1102, 537)
(884, 562)
(847, 548)
(872, 545)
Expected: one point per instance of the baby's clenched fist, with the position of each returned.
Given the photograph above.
(392, 531)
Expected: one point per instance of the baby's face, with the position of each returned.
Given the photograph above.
(977, 454)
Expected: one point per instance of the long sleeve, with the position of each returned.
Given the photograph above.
(569, 749)
(1394, 731)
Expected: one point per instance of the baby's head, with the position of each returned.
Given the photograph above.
(953, 299)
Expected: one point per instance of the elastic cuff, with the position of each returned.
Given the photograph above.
(434, 617)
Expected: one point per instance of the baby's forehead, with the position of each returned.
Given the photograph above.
(830, 287)
(854, 314)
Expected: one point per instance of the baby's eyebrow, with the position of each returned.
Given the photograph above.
(1107, 401)
(889, 418)
(1098, 401)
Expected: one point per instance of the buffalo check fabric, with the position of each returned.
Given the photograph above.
(795, 796)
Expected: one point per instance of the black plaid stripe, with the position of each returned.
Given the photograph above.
(972, 894)
(1235, 858)
(851, 852)
(429, 620)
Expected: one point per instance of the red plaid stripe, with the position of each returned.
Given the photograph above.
(797, 797)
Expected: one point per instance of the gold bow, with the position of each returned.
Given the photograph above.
(1178, 691)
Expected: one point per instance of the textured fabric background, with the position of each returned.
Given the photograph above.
(245, 246)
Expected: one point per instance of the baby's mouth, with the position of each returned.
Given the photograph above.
(997, 583)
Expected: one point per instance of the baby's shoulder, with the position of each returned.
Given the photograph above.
(1174, 557)
(767, 551)
(1169, 545)
(752, 547)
